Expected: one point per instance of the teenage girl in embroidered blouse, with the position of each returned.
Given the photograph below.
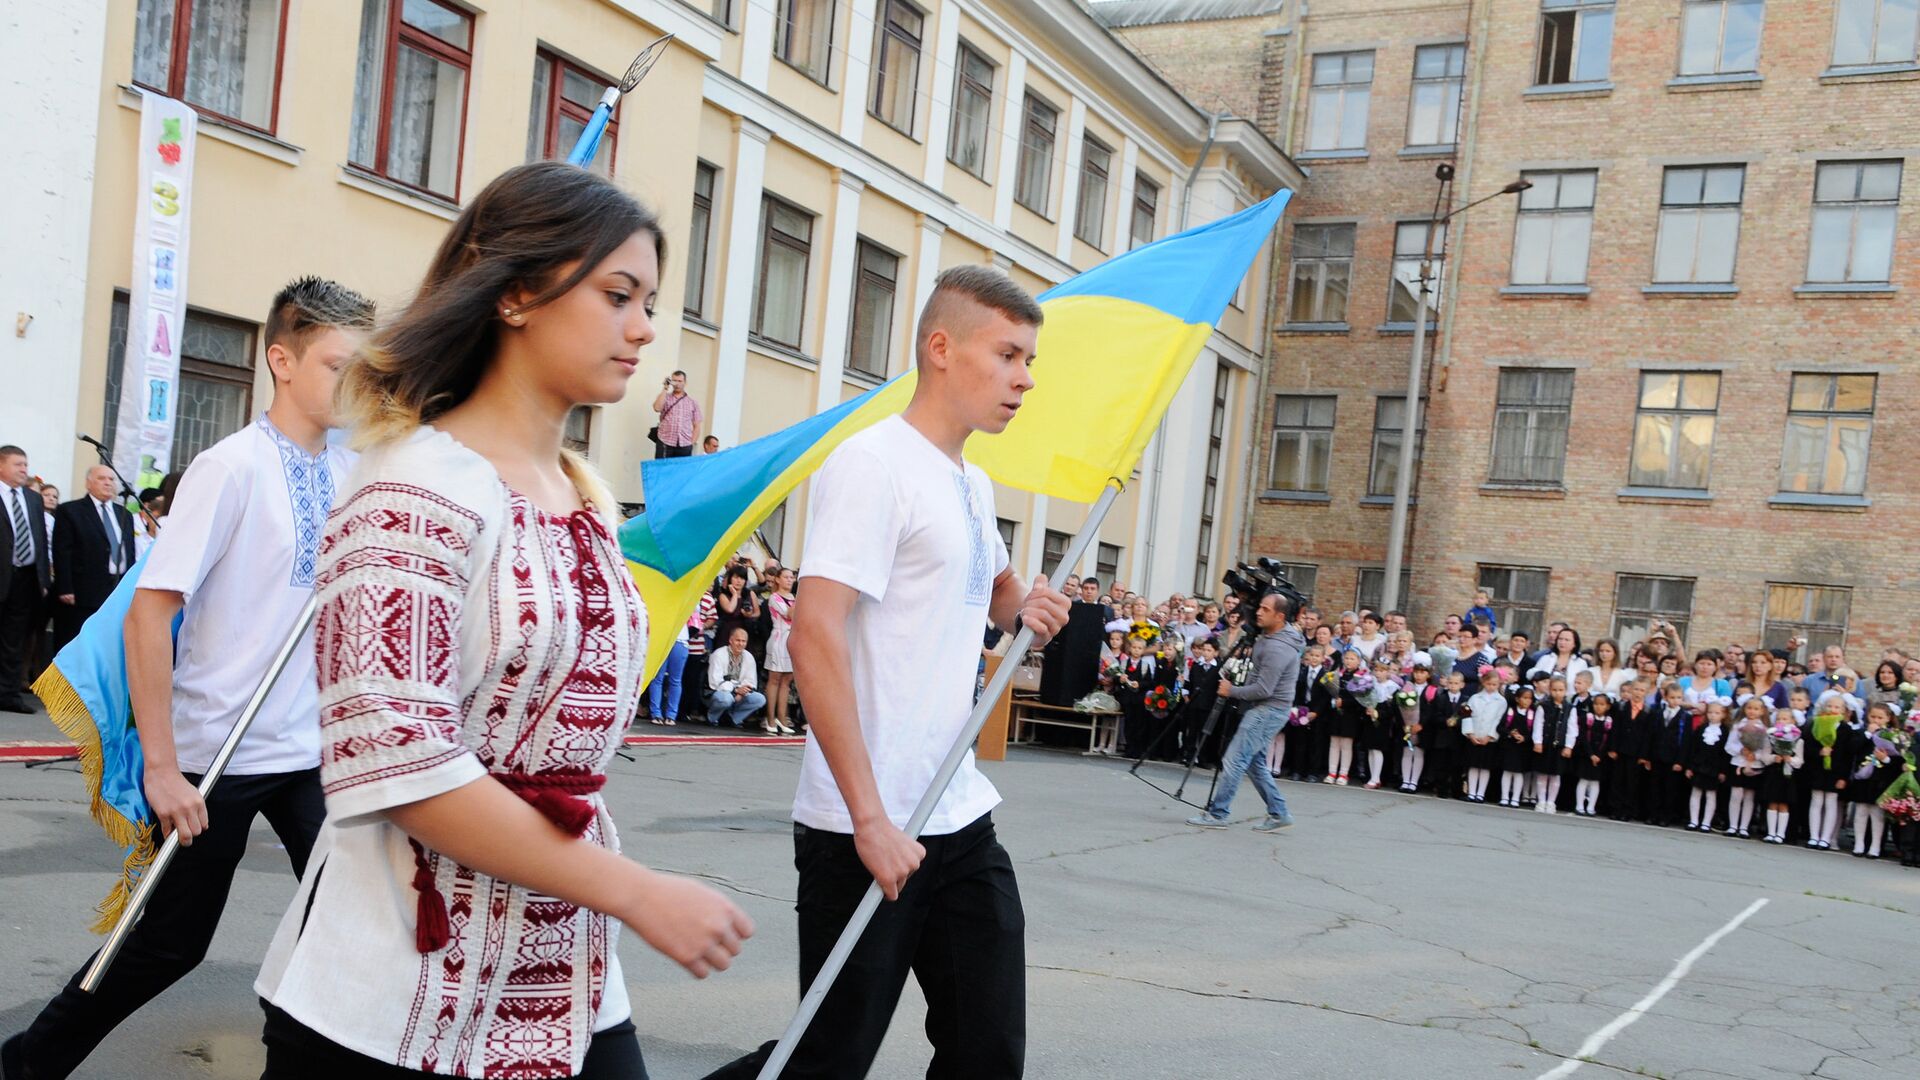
(480, 648)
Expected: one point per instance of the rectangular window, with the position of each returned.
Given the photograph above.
(1389, 425)
(578, 435)
(1530, 426)
(1366, 593)
(1576, 42)
(700, 237)
(972, 107)
(1433, 116)
(1090, 221)
(1304, 577)
(803, 35)
(1409, 246)
(1146, 208)
(410, 93)
(1302, 442)
(1855, 204)
(773, 531)
(1816, 614)
(1322, 269)
(1210, 484)
(1553, 228)
(1519, 597)
(1337, 104)
(1874, 32)
(216, 379)
(1720, 37)
(721, 10)
(1699, 224)
(1008, 530)
(1035, 179)
(877, 276)
(1053, 549)
(786, 246)
(564, 97)
(1106, 563)
(1639, 602)
(1829, 425)
(220, 56)
(1673, 430)
(896, 66)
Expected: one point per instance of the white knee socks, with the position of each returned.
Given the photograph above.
(1340, 756)
(1877, 823)
(1376, 764)
(1277, 751)
(1412, 760)
(1477, 782)
(1739, 810)
(1553, 794)
(1859, 828)
(1832, 799)
(1511, 785)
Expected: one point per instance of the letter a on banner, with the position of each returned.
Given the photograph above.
(157, 301)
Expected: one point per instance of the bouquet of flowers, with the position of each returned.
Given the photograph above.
(1331, 679)
(1826, 728)
(1299, 717)
(1145, 631)
(1158, 701)
(1781, 738)
(1904, 810)
(1908, 694)
(1098, 701)
(1360, 683)
(1904, 789)
(1406, 698)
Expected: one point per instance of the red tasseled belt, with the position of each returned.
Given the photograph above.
(561, 797)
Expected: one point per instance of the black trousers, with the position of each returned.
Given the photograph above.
(172, 936)
(958, 927)
(665, 450)
(297, 1052)
(17, 614)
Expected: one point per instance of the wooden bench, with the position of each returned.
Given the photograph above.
(1032, 712)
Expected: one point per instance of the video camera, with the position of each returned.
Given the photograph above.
(1248, 582)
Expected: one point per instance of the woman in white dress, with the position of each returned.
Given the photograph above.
(779, 663)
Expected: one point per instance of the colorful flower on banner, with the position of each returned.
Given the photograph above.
(169, 147)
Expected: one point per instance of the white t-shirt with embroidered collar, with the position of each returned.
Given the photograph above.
(893, 517)
(241, 543)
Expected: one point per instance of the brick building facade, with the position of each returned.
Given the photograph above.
(1674, 379)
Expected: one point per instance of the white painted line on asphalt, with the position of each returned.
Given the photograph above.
(1619, 1023)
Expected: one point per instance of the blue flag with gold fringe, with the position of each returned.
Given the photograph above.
(86, 695)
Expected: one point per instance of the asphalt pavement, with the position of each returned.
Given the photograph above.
(1384, 935)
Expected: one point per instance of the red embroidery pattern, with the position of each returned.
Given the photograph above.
(548, 676)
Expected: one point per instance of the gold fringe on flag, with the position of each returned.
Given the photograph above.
(70, 715)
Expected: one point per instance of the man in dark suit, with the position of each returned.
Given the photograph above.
(92, 548)
(26, 571)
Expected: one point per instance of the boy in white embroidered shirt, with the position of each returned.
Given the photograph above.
(237, 561)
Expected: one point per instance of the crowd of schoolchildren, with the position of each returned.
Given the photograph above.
(1750, 745)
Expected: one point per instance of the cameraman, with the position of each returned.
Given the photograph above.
(1269, 692)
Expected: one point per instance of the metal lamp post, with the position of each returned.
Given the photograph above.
(1390, 597)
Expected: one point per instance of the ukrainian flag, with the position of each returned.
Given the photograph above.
(1117, 343)
(85, 691)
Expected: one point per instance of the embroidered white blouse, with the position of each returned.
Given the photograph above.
(461, 631)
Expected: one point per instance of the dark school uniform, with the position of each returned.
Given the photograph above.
(1627, 778)
(1556, 720)
(1516, 739)
(1707, 756)
(1313, 693)
(1666, 748)
(1590, 746)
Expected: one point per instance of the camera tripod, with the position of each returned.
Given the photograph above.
(1242, 650)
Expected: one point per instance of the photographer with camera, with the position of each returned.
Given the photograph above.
(1268, 691)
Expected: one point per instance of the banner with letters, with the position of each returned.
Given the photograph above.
(157, 298)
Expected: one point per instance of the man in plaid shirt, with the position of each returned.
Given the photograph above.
(680, 418)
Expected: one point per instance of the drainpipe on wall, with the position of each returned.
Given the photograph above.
(1160, 437)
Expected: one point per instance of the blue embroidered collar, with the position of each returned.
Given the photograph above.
(310, 488)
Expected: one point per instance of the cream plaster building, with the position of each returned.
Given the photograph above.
(816, 163)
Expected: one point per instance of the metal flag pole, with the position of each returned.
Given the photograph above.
(843, 948)
(589, 141)
(149, 880)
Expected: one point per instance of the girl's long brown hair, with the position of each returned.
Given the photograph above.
(519, 233)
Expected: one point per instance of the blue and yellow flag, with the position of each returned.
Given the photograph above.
(1117, 343)
(85, 691)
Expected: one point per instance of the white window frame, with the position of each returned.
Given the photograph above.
(1854, 208)
(1693, 19)
(1682, 410)
(1544, 201)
